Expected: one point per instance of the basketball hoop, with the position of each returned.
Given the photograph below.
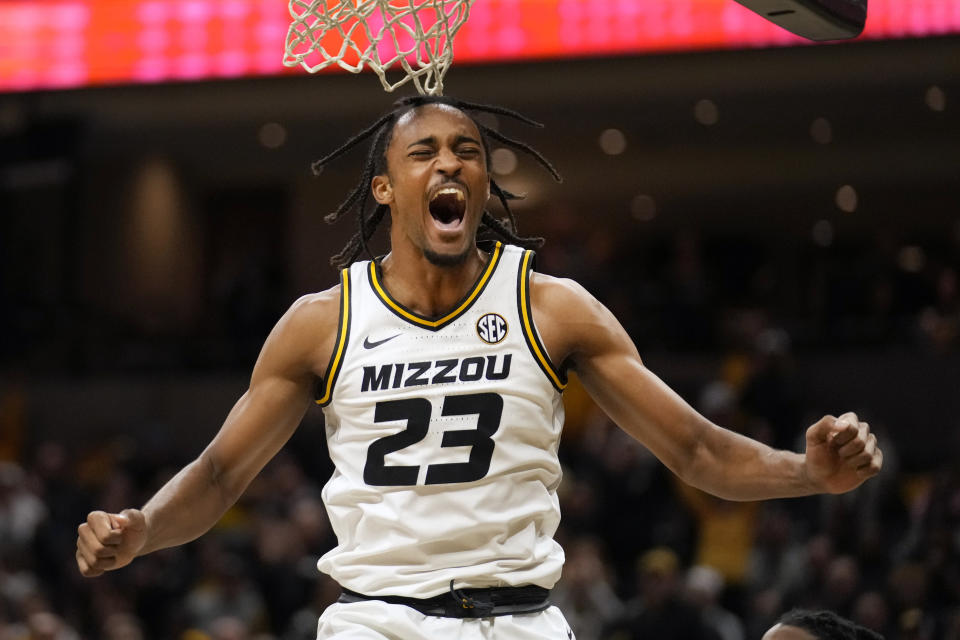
(417, 35)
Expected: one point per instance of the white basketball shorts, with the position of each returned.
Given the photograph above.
(377, 620)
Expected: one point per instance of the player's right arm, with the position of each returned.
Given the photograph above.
(260, 423)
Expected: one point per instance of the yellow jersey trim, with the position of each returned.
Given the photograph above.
(526, 315)
(419, 320)
(343, 330)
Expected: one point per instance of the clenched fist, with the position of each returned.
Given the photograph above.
(108, 541)
(841, 453)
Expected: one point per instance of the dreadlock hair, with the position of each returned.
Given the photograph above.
(827, 625)
(381, 132)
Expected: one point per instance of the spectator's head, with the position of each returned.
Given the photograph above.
(703, 586)
(872, 610)
(840, 583)
(584, 566)
(800, 624)
(44, 625)
(229, 628)
(659, 576)
(122, 626)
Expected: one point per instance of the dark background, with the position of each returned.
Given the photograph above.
(150, 236)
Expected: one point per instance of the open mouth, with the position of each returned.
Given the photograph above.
(447, 206)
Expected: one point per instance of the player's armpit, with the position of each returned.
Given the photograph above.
(302, 341)
(572, 322)
(259, 424)
(706, 456)
(295, 353)
(583, 334)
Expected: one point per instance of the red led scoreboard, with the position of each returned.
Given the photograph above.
(48, 44)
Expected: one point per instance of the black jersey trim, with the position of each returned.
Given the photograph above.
(557, 378)
(343, 334)
(375, 276)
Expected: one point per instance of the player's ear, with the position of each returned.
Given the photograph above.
(382, 189)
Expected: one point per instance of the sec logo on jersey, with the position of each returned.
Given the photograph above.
(492, 328)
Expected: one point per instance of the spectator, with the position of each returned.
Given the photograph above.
(659, 611)
(585, 594)
(703, 588)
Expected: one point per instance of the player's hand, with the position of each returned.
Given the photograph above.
(841, 453)
(108, 541)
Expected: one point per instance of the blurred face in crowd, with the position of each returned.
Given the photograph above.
(786, 632)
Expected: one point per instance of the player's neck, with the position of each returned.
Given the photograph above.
(426, 288)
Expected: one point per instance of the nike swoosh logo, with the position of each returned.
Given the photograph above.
(369, 344)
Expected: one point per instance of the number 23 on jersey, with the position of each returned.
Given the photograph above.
(488, 407)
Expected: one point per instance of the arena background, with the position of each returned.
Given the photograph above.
(777, 224)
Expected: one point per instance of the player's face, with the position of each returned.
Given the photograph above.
(436, 183)
(786, 632)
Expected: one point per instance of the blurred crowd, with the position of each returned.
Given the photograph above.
(647, 556)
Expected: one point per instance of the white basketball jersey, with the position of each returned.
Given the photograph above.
(444, 434)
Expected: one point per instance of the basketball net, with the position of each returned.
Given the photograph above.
(417, 35)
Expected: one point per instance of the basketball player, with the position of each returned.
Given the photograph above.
(440, 369)
(800, 624)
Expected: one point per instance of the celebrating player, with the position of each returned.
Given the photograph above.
(440, 368)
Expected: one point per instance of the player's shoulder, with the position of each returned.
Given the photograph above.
(305, 336)
(313, 312)
(569, 318)
(318, 303)
(558, 294)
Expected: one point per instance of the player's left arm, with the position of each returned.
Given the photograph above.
(578, 330)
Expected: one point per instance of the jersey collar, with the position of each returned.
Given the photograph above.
(434, 324)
